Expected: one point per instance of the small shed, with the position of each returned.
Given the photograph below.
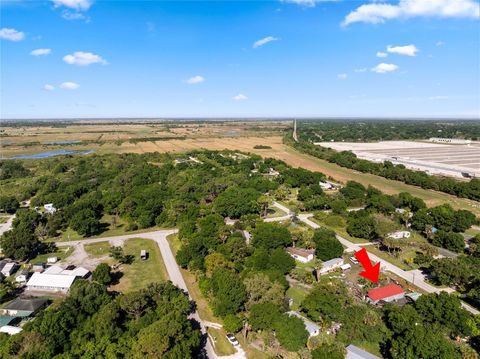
(354, 352)
(8, 268)
(22, 277)
(143, 255)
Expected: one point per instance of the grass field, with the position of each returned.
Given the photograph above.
(141, 273)
(220, 343)
(98, 249)
(61, 253)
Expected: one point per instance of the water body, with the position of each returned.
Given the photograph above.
(49, 154)
(65, 142)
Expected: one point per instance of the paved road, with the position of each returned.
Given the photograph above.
(415, 277)
(4, 227)
(160, 237)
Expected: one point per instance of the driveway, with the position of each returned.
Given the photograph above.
(4, 227)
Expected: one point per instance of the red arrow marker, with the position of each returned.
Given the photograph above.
(371, 272)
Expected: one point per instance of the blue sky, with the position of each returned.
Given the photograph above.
(80, 58)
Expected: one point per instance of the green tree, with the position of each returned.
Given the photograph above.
(8, 204)
(327, 245)
(271, 236)
(228, 291)
(329, 351)
(85, 222)
(236, 201)
(290, 332)
(232, 323)
(102, 274)
(362, 227)
(264, 315)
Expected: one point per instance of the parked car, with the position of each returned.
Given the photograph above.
(231, 338)
(353, 260)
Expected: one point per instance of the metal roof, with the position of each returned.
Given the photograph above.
(354, 352)
(51, 280)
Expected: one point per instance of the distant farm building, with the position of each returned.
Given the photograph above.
(327, 185)
(399, 234)
(389, 293)
(301, 255)
(49, 208)
(453, 141)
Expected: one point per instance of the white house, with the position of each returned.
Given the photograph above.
(330, 265)
(49, 208)
(10, 330)
(52, 260)
(8, 268)
(22, 277)
(44, 282)
(326, 185)
(399, 234)
(56, 279)
(312, 328)
(300, 254)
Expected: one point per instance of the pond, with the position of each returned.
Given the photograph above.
(49, 154)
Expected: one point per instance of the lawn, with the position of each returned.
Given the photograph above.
(220, 343)
(98, 249)
(3, 219)
(61, 253)
(141, 273)
(110, 231)
(298, 295)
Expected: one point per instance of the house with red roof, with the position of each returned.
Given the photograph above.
(388, 293)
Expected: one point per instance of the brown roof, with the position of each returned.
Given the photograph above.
(300, 251)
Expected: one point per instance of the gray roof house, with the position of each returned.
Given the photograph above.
(354, 352)
(312, 328)
(24, 307)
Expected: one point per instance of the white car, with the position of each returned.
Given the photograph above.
(353, 260)
(231, 338)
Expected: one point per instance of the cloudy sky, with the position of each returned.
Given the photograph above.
(83, 58)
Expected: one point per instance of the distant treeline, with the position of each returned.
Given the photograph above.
(388, 170)
(375, 130)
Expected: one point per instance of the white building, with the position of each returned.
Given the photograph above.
(354, 352)
(312, 328)
(49, 208)
(326, 185)
(8, 269)
(330, 265)
(43, 282)
(10, 330)
(22, 277)
(453, 141)
(399, 234)
(300, 254)
(56, 279)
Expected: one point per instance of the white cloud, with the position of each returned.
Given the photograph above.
(69, 86)
(48, 87)
(342, 76)
(360, 70)
(306, 3)
(407, 50)
(195, 80)
(438, 98)
(78, 5)
(68, 15)
(375, 13)
(264, 41)
(40, 52)
(84, 59)
(11, 34)
(439, 43)
(384, 68)
(240, 97)
(381, 54)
